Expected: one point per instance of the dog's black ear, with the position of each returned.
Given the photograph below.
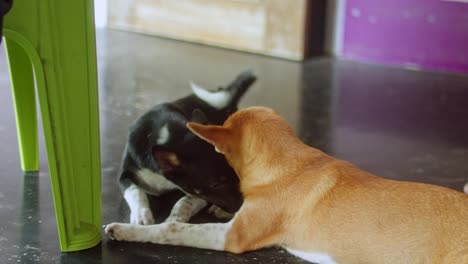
(199, 117)
(167, 160)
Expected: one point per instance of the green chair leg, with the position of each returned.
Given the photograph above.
(58, 37)
(22, 80)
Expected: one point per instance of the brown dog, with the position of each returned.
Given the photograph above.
(319, 208)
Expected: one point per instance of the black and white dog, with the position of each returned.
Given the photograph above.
(163, 155)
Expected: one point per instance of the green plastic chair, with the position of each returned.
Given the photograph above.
(51, 46)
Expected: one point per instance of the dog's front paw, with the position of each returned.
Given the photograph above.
(142, 216)
(219, 213)
(114, 231)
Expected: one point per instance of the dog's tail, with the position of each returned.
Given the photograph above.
(239, 86)
(228, 96)
(465, 189)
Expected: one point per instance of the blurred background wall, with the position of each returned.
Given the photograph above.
(427, 34)
(431, 34)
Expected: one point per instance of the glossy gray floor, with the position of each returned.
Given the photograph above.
(396, 123)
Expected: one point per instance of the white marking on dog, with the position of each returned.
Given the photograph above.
(163, 135)
(154, 183)
(140, 212)
(313, 257)
(185, 208)
(217, 100)
(206, 236)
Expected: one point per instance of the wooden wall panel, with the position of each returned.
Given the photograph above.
(272, 27)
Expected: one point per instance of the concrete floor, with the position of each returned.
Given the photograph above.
(396, 123)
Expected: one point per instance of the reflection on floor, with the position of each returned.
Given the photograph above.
(396, 123)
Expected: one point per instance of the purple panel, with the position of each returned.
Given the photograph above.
(416, 33)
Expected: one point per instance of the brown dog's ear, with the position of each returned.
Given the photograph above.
(167, 160)
(215, 135)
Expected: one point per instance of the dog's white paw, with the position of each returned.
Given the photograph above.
(127, 232)
(219, 213)
(141, 216)
(114, 231)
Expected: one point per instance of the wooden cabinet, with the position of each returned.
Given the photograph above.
(272, 27)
